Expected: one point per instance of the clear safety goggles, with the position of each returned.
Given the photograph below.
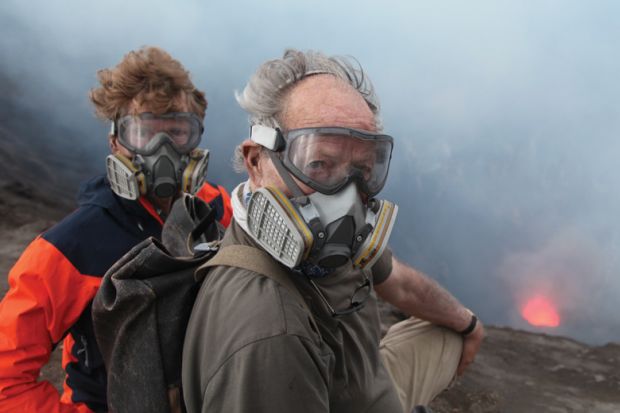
(329, 158)
(136, 132)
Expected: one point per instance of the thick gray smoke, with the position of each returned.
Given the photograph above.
(505, 115)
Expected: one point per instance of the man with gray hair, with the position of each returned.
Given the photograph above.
(293, 324)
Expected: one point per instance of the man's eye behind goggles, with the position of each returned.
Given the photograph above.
(328, 158)
(137, 132)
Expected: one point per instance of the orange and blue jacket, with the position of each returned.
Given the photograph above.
(51, 288)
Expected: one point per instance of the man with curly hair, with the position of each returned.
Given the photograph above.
(156, 114)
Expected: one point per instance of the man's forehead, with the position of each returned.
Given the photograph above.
(335, 142)
(179, 104)
(324, 100)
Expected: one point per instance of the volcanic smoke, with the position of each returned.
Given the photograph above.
(539, 311)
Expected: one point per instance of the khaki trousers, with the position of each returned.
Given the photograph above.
(421, 359)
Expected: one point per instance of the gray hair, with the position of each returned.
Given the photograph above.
(263, 96)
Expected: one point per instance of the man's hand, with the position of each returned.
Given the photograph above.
(471, 345)
(417, 295)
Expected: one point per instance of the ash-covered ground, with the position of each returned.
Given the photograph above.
(515, 371)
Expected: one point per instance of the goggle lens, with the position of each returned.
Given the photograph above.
(326, 159)
(183, 129)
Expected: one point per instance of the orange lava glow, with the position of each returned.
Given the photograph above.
(539, 311)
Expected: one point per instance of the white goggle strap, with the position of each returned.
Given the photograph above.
(271, 139)
(374, 245)
(265, 136)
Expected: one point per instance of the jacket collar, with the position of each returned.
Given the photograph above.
(133, 215)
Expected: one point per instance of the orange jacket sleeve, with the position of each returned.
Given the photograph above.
(46, 296)
(210, 193)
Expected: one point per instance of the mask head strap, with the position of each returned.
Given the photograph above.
(272, 139)
(286, 177)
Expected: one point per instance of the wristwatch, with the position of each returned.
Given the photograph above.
(472, 325)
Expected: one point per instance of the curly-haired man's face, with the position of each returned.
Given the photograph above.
(135, 108)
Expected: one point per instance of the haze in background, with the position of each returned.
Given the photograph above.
(505, 115)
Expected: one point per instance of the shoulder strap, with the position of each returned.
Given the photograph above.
(254, 259)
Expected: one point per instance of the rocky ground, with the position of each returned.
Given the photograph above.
(515, 371)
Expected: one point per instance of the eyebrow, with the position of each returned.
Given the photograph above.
(323, 152)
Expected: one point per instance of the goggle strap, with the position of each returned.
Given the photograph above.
(270, 138)
(286, 177)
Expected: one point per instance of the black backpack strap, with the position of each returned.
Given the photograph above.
(256, 260)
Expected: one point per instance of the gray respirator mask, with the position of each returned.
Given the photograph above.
(333, 224)
(166, 160)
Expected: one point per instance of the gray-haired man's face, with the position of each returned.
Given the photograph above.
(316, 101)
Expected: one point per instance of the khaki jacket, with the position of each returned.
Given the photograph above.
(251, 346)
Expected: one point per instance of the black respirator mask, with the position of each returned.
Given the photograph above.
(166, 159)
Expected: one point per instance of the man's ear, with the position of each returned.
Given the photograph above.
(252, 157)
(113, 143)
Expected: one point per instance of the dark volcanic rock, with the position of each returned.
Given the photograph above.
(515, 371)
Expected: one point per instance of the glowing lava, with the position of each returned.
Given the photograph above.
(539, 311)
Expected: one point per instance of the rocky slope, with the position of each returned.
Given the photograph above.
(516, 371)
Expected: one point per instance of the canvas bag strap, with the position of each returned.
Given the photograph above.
(253, 259)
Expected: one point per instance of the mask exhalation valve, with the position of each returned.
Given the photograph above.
(337, 251)
(164, 183)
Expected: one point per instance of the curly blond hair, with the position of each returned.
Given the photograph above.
(146, 76)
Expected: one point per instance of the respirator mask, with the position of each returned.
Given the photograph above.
(341, 220)
(166, 158)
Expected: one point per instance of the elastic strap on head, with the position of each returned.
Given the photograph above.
(286, 177)
(270, 138)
